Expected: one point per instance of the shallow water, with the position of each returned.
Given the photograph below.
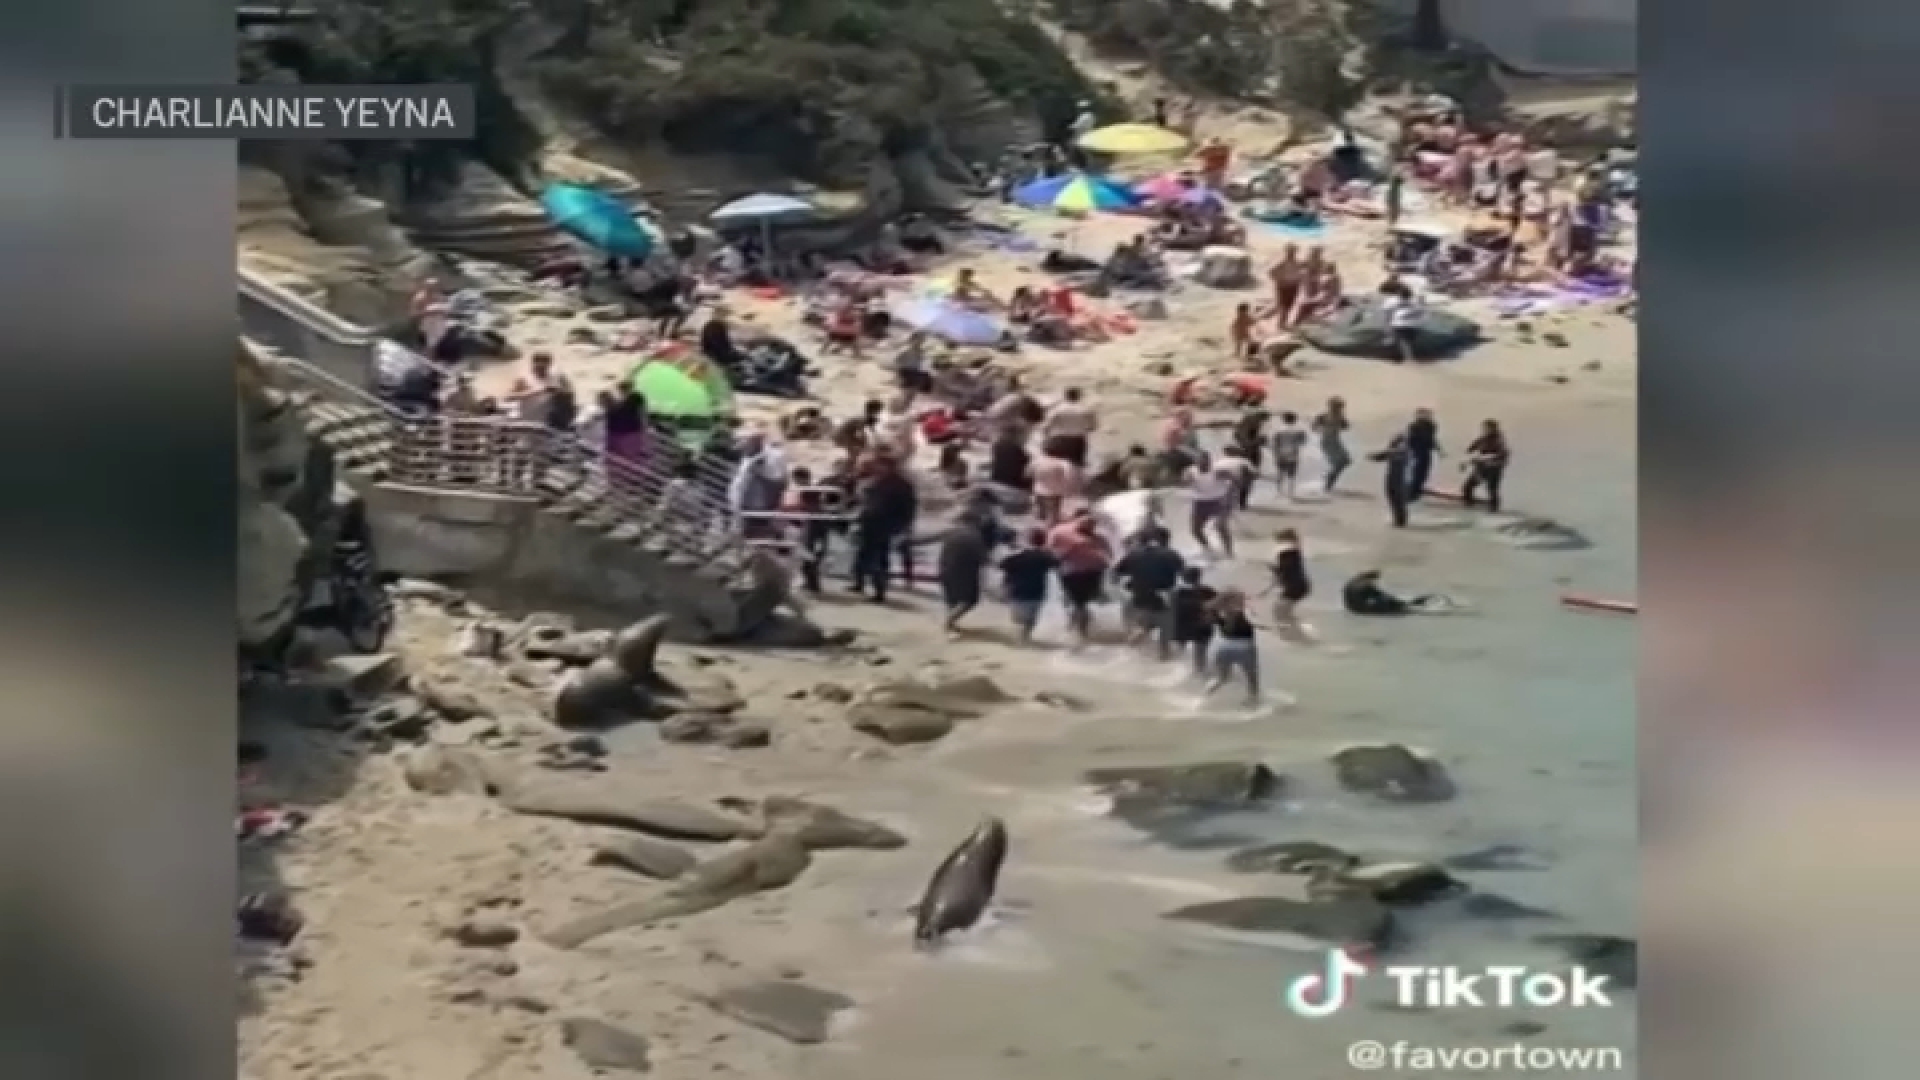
(1530, 706)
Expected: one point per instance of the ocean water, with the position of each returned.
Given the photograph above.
(1530, 705)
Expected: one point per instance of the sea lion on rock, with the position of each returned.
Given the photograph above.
(634, 649)
(597, 696)
(963, 886)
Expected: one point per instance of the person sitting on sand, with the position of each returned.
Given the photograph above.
(844, 332)
(1024, 306)
(1363, 595)
(968, 292)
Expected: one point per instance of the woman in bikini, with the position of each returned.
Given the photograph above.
(1288, 275)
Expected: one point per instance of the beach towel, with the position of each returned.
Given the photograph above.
(1298, 232)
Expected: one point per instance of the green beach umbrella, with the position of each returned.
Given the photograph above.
(683, 389)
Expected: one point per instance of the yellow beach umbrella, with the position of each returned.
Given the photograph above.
(1133, 139)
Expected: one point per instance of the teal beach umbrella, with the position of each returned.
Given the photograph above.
(599, 219)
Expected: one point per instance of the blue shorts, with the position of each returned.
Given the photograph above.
(1026, 613)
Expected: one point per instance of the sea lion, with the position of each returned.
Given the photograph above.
(963, 886)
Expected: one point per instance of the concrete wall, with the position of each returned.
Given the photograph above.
(283, 320)
(515, 546)
(1550, 37)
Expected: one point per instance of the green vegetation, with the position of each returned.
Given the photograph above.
(816, 87)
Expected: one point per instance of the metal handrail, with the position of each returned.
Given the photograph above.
(301, 310)
(502, 456)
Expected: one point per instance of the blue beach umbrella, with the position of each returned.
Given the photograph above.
(599, 219)
(945, 319)
(1077, 192)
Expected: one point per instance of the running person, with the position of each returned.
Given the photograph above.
(1023, 580)
(1192, 620)
(1289, 569)
(1234, 648)
(1084, 558)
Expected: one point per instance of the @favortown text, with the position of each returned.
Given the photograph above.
(1423, 986)
(1425, 1059)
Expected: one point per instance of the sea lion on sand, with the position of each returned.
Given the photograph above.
(963, 886)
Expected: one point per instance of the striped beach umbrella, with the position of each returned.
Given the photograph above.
(1081, 192)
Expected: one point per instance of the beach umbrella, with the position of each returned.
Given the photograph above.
(685, 388)
(1075, 191)
(763, 210)
(1167, 187)
(945, 319)
(1132, 139)
(599, 219)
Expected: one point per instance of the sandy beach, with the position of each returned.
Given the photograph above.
(423, 957)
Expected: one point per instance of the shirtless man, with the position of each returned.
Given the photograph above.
(1288, 276)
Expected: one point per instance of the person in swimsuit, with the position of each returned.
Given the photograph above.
(1289, 569)
(1288, 276)
(1234, 648)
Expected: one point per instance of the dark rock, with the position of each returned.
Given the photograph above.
(1522, 1029)
(586, 746)
(714, 729)
(1617, 958)
(825, 828)
(1396, 884)
(446, 770)
(969, 690)
(900, 726)
(961, 698)
(1495, 857)
(402, 718)
(635, 649)
(1291, 857)
(485, 934)
(1392, 772)
(603, 802)
(771, 862)
(1213, 784)
(597, 696)
(573, 650)
(365, 677)
(600, 1045)
(656, 859)
(1542, 534)
(1494, 906)
(793, 1010)
(1344, 920)
(832, 693)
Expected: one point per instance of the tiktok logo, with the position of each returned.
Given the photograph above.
(1323, 994)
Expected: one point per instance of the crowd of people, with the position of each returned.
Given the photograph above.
(1031, 500)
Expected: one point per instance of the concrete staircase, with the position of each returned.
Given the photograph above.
(530, 512)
